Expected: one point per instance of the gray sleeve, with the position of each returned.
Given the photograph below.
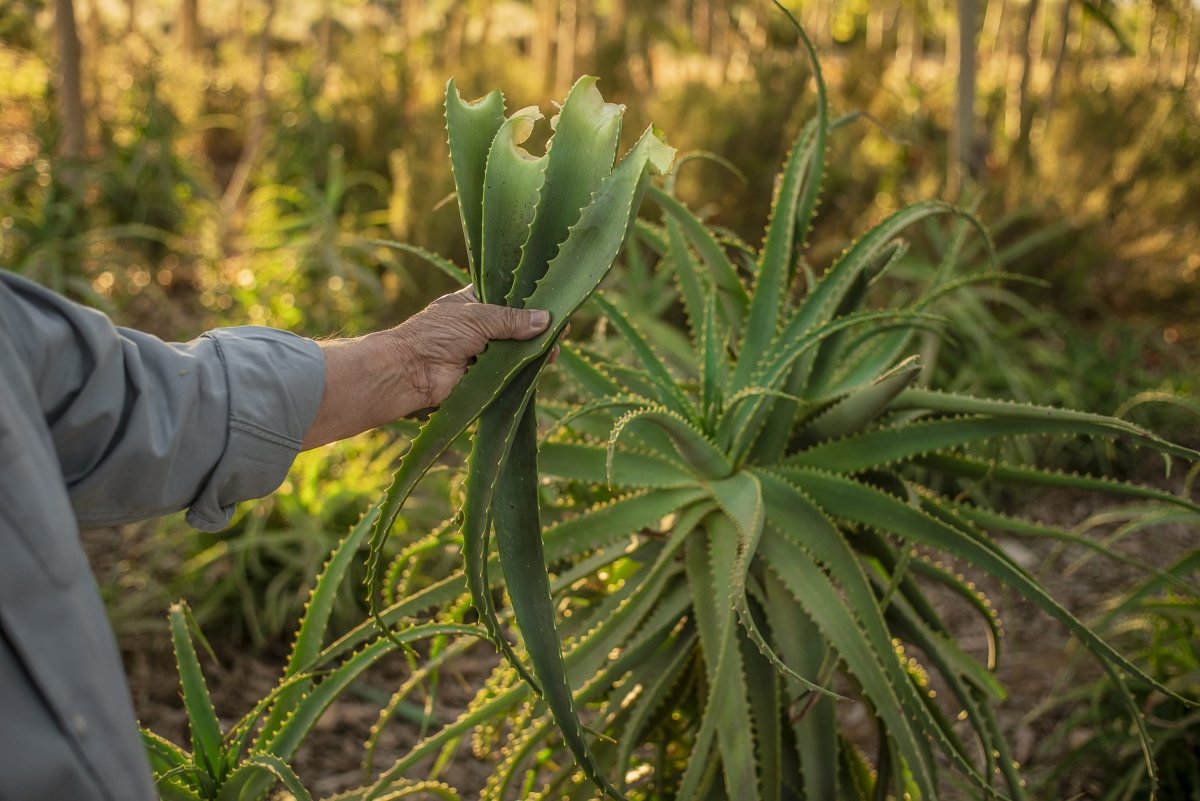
(143, 427)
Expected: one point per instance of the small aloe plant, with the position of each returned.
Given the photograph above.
(773, 520)
(244, 762)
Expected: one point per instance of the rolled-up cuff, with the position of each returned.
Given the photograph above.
(276, 381)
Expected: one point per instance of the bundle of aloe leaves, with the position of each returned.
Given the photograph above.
(541, 233)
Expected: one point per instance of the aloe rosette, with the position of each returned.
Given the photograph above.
(812, 451)
(773, 511)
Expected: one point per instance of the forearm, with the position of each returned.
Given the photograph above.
(373, 380)
(142, 427)
(369, 381)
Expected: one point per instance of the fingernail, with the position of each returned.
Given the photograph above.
(538, 319)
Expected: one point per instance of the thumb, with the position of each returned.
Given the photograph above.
(502, 322)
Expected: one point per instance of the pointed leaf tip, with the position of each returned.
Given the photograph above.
(661, 154)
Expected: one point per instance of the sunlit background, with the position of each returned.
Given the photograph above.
(236, 157)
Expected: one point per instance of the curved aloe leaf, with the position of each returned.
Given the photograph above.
(448, 267)
(669, 393)
(202, 717)
(310, 636)
(794, 512)
(815, 727)
(490, 460)
(950, 403)
(631, 469)
(862, 406)
(579, 159)
(726, 717)
(741, 499)
(851, 500)
(164, 755)
(696, 450)
(263, 764)
(1011, 474)
(888, 446)
(734, 297)
(518, 535)
(471, 127)
(511, 187)
(869, 664)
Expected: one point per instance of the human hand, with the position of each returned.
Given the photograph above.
(442, 340)
(373, 380)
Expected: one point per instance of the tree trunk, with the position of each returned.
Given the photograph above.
(70, 93)
(258, 124)
(1021, 152)
(702, 21)
(908, 32)
(324, 46)
(1149, 18)
(543, 40)
(721, 35)
(325, 34)
(1183, 47)
(1193, 50)
(993, 28)
(963, 135)
(585, 37)
(454, 34)
(951, 57)
(564, 64)
(404, 14)
(1038, 41)
(189, 27)
(1169, 51)
(1060, 59)
(93, 49)
(876, 29)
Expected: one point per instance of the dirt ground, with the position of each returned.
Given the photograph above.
(1033, 664)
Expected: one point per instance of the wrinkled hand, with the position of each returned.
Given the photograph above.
(373, 380)
(444, 338)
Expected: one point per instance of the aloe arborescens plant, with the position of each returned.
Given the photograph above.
(772, 516)
(772, 521)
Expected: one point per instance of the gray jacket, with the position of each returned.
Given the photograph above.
(98, 426)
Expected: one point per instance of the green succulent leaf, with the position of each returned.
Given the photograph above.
(726, 718)
(202, 717)
(512, 185)
(471, 128)
(949, 403)
(631, 468)
(579, 159)
(489, 462)
(851, 500)
(267, 764)
(519, 537)
(733, 295)
(310, 635)
(669, 392)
